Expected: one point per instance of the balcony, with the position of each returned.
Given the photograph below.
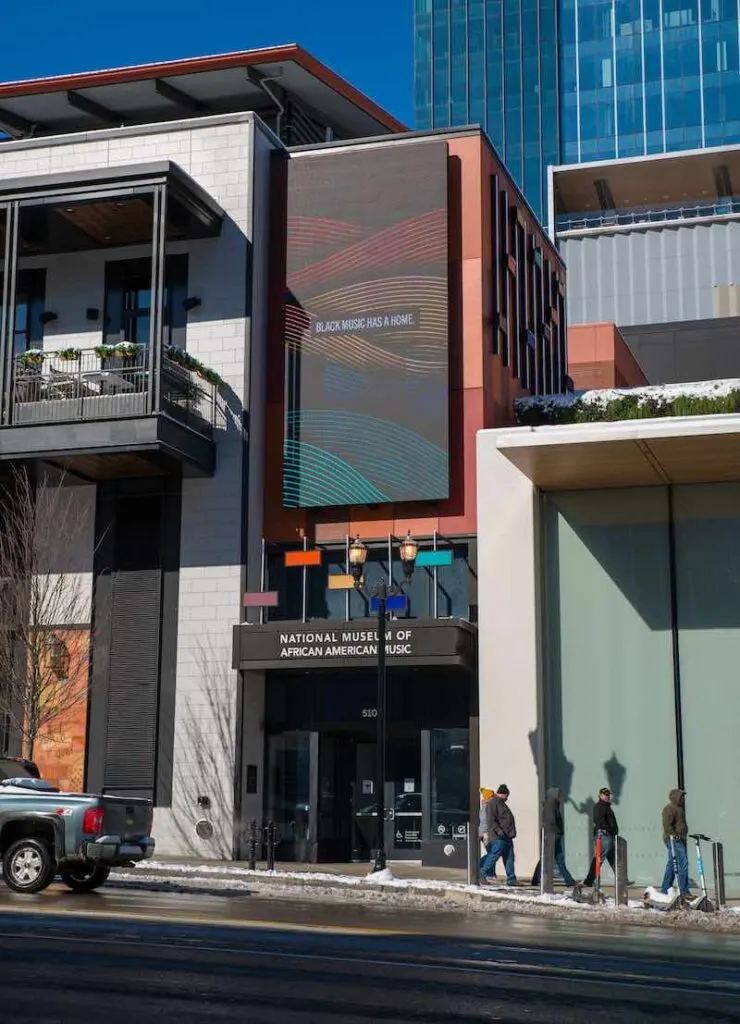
(106, 383)
(644, 216)
(119, 398)
(96, 388)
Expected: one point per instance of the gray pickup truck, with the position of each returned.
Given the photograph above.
(79, 837)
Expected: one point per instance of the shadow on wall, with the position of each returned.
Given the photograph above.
(559, 773)
(204, 772)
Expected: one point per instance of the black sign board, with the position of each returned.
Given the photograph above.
(327, 644)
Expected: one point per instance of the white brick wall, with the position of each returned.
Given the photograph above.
(217, 153)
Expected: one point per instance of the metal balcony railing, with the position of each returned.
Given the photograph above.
(656, 214)
(97, 384)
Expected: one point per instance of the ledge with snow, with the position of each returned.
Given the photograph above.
(671, 434)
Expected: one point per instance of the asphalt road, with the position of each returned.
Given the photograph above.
(119, 956)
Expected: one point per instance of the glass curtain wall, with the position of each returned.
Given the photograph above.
(609, 695)
(707, 530)
(493, 63)
(647, 76)
(642, 630)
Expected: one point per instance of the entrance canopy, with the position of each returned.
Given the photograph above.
(341, 645)
(632, 453)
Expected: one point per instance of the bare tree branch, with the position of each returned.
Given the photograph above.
(43, 602)
(208, 734)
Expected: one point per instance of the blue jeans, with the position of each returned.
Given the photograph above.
(499, 849)
(607, 853)
(682, 862)
(484, 858)
(559, 855)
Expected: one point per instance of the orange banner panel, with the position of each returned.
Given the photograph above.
(294, 558)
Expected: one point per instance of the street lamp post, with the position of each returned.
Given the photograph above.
(381, 591)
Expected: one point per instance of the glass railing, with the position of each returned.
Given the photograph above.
(106, 382)
(654, 214)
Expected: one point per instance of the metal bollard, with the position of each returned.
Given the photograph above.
(718, 860)
(270, 845)
(252, 845)
(621, 876)
(472, 871)
(547, 862)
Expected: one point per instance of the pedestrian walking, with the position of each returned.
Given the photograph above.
(485, 796)
(552, 824)
(675, 833)
(606, 829)
(500, 826)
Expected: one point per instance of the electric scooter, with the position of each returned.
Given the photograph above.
(654, 899)
(702, 902)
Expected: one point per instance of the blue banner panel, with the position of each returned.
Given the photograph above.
(393, 603)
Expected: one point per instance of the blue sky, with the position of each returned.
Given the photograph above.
(368, 42)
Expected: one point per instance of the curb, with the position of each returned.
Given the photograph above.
(282, 881)
(725, 922)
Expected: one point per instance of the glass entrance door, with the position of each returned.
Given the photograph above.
(292, 793)
(404, 801)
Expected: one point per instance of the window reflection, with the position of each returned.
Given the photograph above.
(450, 783)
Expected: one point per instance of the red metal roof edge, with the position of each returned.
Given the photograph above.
(192, 65)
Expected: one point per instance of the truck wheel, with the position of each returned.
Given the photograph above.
(85, 877)
(28, 865)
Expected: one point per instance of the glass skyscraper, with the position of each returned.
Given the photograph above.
(565, 81)
(493, 63)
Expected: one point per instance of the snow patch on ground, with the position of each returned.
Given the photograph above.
(229, 880)
(380, 877)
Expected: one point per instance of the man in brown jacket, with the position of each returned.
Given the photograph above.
(500, 828)
(675, 831)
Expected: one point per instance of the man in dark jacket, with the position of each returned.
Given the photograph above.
(501, 832)
(676, 830)
(552, 823)
(606, 829)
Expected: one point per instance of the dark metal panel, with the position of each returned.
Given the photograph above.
(675, 644)
(153, 434)
(101, 636)
(13, 124)
(7, 322)
(159, 232)
(98, 182)
(179, 97)
(313, 799)
(170, 541)
(131, 724)
(87, 106)
(474, 799)
(426, 785)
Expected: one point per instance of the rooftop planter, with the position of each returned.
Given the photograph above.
(705, 398)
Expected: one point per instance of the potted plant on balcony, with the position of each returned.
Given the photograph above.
(31, 357)
(189, 362)
(69, 355)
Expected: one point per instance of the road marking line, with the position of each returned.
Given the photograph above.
(124, 915)
(631, 980)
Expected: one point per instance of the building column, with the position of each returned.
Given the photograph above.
(252, 756)
(511, 740)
